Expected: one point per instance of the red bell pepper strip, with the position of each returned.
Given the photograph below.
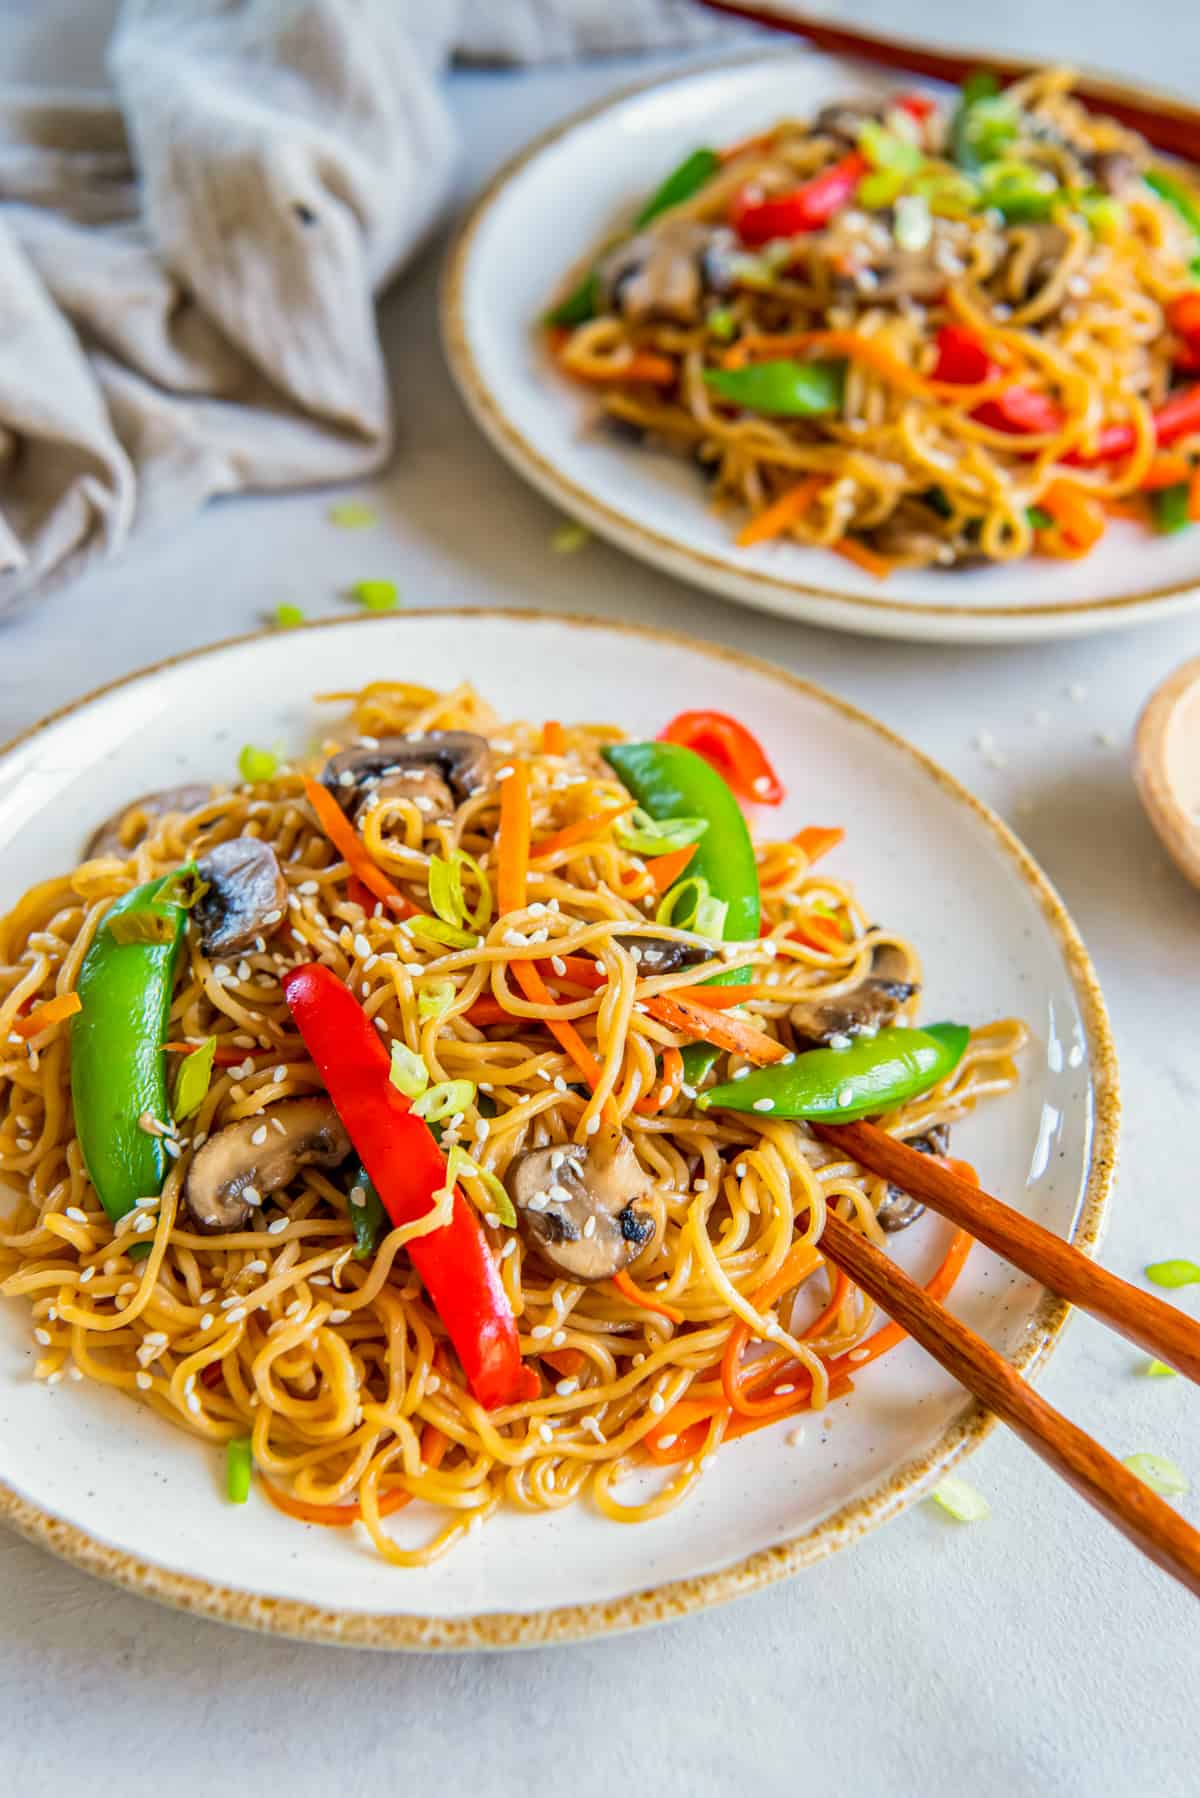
(1022, 412)
(731, 749)
(1178, 416)
(757, 219)
(917, 106)
(407, 1169)
(962, 358)
(1183, 314)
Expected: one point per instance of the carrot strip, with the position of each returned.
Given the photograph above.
(563, 1031)
(512, 842)
(1194, 497)
(712, 1026)
(350, 847)
(643, 367)
(565, 1361)
(1080, 519)
(554, 737)
(54, 1011)
(774, 519)
(644, 1300)
(862, 557)
(580, 831)
(712, 998)
(817, 932)
(761, 141)
(1168, 469)
(222, 1056)
(664, 870)
(817, 840)
(340, 1517)
(867, 351)
(801, 1260)
(668, 1087)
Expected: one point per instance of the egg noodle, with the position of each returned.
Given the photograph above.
(338, 1369)
(1046, 250)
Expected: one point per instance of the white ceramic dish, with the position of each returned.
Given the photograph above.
(546, 209)
(98, 1478)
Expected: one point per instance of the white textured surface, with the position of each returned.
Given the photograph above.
(1032, 1654)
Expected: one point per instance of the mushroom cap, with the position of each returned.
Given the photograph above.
(663, 954)
(898, 1209)
(866, 1007)
(298, 1133)
(582, 1213)
(459, 759)
(106, 839)
(246, 897)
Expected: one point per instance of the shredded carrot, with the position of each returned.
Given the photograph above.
(712, 1026)
(54, 1011)
(554, 738)
(668, 1087)
(224, 1057)
(1194, 497)
(563, 1031)
(349, 844)
(646, 1301)
(1167, 469)
(816, 840)
(761, 141)
(774, 519)
(818, 932)
(801, 1260)
(1133, 509)
(488, 1010)
(664, 870)
(1079, 519)
(512, 842)
(643, 366)
(340, 1517)
(683, 1420)
(712, 998)
(581, 830)
(870, 560)
(565, 1361)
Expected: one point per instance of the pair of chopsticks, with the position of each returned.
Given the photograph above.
(1169, 124)
(1152, 1525)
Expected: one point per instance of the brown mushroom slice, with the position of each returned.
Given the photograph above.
(861, 1009)
(443, 767)
(106, 839)
(246, 1162)
(898, 1208)
(669, 272)
(579, 1205)
(663, 955)
(246, 897)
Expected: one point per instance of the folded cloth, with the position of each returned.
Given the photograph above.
(187, 277)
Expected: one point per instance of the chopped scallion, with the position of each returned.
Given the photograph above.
(288, 617)
(351, 515)
(193, 1080)
(239, 1468)
(257, 764)
(961, 1500)
(376, 596)
(442, 1101)
(409, 1075)
(1162, 1476)
(1173, 1273)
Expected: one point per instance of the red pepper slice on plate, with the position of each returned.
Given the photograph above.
(735, 753)
(757, 217)
(1178, 416)
(962, 358)
(407, 1169)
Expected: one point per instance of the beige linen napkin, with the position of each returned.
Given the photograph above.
(187, 277)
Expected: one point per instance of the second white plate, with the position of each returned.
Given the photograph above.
(545, 210)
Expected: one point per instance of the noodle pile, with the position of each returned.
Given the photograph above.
(338, 1369)
(1066, 297)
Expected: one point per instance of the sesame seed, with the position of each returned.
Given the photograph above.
(74, 1373)
(592, 1125)
(142, 1223)
(193, 1404)
(668, 1441)
(764, 1105)
(782, 1391)
(565, 1388)
(339, 1316)
(859, 1354)
(258, 1137)
(740, 1170)
(846, 1096)
(1075, 1055)
(55, 1378)
(361, 946)
(280, 1074)
(251, 1195)
(206, 1322)
(280, 1223)
(557, 1159)
(42, 1336)
(538, 1332)
(308, 886)
(86, 1275)
(742, 1074)
(545, 1432)
(510, 1248)
(658, 1404)
(144, 1381)
(295, 1308)
(235, 1314)
(558, 964)
(75, 1214)
(795, 1437)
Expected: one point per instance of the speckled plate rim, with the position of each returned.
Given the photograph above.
(801, 601)
(677, 1598)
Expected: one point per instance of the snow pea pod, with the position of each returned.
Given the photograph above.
(781, 389)
(118, 1069)
(874, 1074)
(693, 173)
(670, 781)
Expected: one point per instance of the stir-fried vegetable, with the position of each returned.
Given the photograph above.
(1174, 1273)
(733, 751)
(409, 1172)
(963, 1502)
(781, 389)
(644, 835)
(1182, 199)
(1162, 1476)
(1171, 509)
(693, 173)
(44, 1017)
(367, 1215)
(193, 1079)
(984, 124)
(256, 764)
(239, 1469)
(809, 207)
(874, 1074)
(118, 1068)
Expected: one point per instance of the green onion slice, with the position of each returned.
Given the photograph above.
(643, 835)
(460, 1166)
(257, 764)
(408, 1075)
(239, 1466)
(1162, 1476)
(1173, 1273)
(141, 927)
(964, 1503)
(434, 930)
(680, 905)
(434, 1000)
(194, 1079)
(442, 1101)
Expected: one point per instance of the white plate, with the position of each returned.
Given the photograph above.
(543, 213)
(111, 1485)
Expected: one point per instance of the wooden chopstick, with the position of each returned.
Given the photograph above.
(1169, 124)
(1112, 1489)
(1159, 1328)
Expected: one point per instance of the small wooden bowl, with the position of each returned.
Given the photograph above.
(1166, 765)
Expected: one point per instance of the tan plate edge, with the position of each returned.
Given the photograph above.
(618, 526)
(659, 1604)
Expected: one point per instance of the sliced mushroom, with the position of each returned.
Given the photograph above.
(1035, 253)
(844, 119)
(668, 273)
(438, 771)
(106, 839)
(246, 897)
(579, 1205)
(234, 1171)
(862, 1008)
(662, 954)
(899, 1209)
